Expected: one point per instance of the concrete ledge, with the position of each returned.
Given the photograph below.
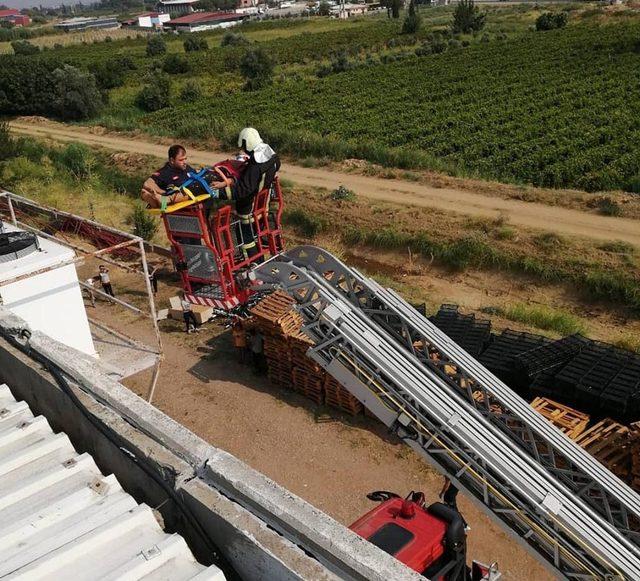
(254, 550)
(333, 544)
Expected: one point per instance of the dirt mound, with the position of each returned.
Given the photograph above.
(131, 163)
(34, 120)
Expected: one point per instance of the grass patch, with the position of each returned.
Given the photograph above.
(548, 240)
(472, 252)
(618, 247)
(304, 223)
(628, 342)
(609, 207)
(545, 318)
(505, 233)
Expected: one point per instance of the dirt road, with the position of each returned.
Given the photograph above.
(524, 214)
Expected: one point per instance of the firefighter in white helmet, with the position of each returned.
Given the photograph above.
(263, 164)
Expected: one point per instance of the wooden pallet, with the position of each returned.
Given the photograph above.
(272, 307)
(570, 421)
(611, 444)
(338, 397)
(309, 385)
(479, 397)
(280, 379)
(276, 348)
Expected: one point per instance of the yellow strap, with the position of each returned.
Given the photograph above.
(180, 205)
(188, 192)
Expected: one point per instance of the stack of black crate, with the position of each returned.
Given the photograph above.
(472, 334)
(499, 357)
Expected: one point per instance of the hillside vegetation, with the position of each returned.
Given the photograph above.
(560, 109)
(556, 108)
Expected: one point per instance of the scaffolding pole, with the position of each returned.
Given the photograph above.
(74, 260)
(154, 318)
(130, 241)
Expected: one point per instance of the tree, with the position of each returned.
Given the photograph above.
(144, 224)
(193, 43)
(257, 69)
(156, 45)
(109, 74)
(26, 90)
(156, 95)
(24, 47)
(175, 64)
(411, 23)
(74, 94)
(7, 145)
(551, 21)
(467, 17)
(395, 8)
(324, 9)
(191, 91)
(234, 39)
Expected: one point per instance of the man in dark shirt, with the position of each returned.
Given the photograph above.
(172, 174)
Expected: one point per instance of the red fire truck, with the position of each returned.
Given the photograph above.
(429, 539)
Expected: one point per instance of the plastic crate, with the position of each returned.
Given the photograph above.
(549, 356)
(498, 357)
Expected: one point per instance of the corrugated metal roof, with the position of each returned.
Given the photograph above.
(198, 17)
(60, 518)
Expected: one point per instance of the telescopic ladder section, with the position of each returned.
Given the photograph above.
(523, 471)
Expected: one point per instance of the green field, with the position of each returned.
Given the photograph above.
(558, 108)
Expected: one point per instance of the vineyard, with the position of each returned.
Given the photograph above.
(559, 109)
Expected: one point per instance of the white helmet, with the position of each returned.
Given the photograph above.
(249, 139)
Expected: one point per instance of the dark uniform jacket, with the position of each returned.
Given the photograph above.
(251, 180)
(170, 176)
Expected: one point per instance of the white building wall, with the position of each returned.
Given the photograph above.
(50, 302)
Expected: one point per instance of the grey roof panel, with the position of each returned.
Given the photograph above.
(61, 518)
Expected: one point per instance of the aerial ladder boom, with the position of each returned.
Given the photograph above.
(572, 465)
(367, 345)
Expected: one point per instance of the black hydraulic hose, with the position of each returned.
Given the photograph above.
(455, 537)
(140, 461)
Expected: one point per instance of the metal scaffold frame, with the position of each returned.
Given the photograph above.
(366, 338)
(14, 201)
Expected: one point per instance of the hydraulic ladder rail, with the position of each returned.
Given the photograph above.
(570, 464)
(452, 434)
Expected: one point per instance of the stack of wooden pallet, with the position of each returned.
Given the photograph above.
(612, 444)
(275, 318)
(307, 376)
(337, 396)
(634, 477)
(286, 346)
(570, 421)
